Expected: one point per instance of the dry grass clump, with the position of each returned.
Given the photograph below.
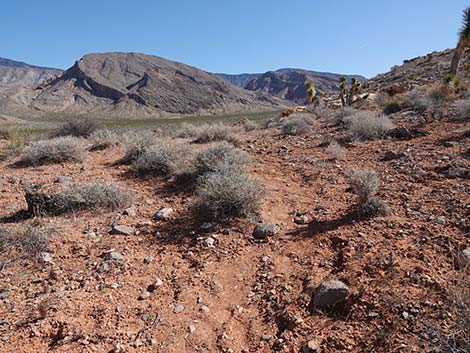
(91, 196)
(227, 193)
(57, 150)
(250, 125)
(335, 150)
(220, 156)
(341, 114)
(218, 132)
(367, 125)
(165, 158)
(364, 184)
(29, 239)
(83, 127)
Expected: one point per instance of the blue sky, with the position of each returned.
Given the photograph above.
(348, 36)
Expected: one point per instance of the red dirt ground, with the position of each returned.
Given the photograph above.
(399, 267)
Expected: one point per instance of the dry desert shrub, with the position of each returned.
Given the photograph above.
(250, 125)
(136, 143)
(227, 193)
(367, 125)
(335, 150)
(296, 126)
(217, 133)
(82, 127)
(364, 184)
(29, 239)
(165, 158)
(57, 150)
(104, 138)
(220, 156)
(463, 110)
(189, 130)
(92, 196)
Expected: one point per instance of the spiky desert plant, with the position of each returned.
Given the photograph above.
(347, 94)
(343, 90)
(311, 91)
(463, 43)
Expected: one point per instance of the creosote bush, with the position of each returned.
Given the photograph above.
(165, 158)
(220, 156)
(92, 196)
(82, 127)
(364, 184)
(57, 150)
(367, 125)
(228, 193)
(218, 132)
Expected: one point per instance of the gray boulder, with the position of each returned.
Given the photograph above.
(263, 231)
(330, 293)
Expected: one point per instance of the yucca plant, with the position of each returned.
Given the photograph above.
(311, 92)
(347, 94)
(463, 43)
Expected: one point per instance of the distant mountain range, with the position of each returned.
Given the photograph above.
(124, 85)
(289, 83)
(16, 73)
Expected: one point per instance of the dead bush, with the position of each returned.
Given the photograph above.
(81, 127)
(165, 158)
(364, 184)
(57, 150)
(17, 140)
(367, 125)
(91, 196)
(218, 132)
(227, 193)
(341, 114)
(135, 144)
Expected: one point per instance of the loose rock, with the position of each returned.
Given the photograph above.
(178, 309)
(263, 231)
(391, 155)
(330, 293)
(122, 230)
(162, 214)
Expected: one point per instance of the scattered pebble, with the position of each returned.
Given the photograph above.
(178, 309)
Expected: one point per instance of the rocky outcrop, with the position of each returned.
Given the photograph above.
(15, 73)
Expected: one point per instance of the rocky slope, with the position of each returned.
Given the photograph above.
(420, 71)
(126, 84)
(290, 83)
(15, 73)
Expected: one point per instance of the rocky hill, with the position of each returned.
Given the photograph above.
(126, 84)
(290, 83)
(15, 73)
(420, 71)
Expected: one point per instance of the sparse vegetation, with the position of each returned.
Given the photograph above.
(218, 132)
(91, 196)
(16, 139)
(104, 138)
(463, 43)
(250, 125)
(295, 126)
(219, 157)
(226, 193)
(364, 184)
(367, 125)
(189, 130)
(335, 150)
(136, 144)
(463, 110)
(81, 127)
(165, 158)
(57, 150)
(391, 108)
(29, 239)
